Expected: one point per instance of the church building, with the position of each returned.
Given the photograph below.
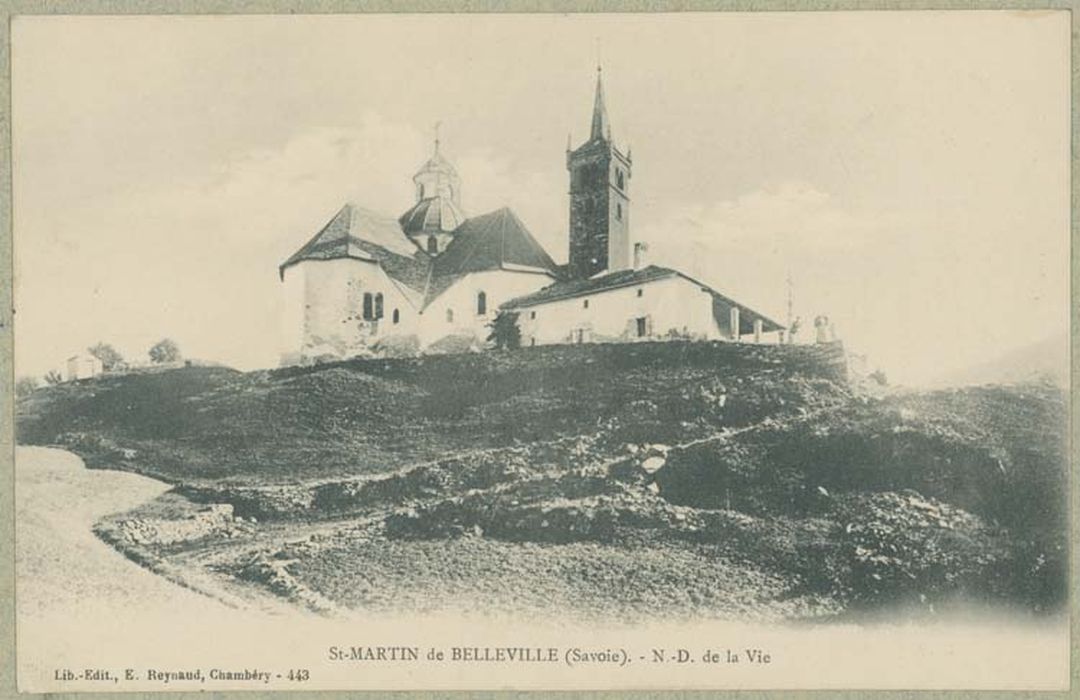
(433, 278)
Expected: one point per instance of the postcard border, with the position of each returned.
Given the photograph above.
(9, 9)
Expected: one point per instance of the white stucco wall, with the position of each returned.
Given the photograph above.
(291, 331)
(499, 285)
(325, 301)
(323, 313)
(673, 304)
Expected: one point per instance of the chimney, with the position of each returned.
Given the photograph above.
(640, 250)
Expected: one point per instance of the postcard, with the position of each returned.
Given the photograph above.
(659, 350)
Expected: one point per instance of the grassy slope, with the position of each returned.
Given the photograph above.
(203, 425)
(501, 465)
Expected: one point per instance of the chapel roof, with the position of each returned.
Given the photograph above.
(568, 289)
(356, 232)
(493, 241)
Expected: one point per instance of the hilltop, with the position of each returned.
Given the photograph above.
(696, 479)
(214, 424)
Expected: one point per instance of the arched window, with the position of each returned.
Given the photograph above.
(369, 312)
(397, 316)
(481, 304)
(432, 245)
(618, 211)
(378, 306)
(619, 179)
(449, 315)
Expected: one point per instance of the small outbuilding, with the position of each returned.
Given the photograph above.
(83, 366)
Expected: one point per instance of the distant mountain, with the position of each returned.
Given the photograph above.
(1045, 360)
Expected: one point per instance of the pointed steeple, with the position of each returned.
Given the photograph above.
(601, 130)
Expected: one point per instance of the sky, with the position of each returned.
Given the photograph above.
(908, 171)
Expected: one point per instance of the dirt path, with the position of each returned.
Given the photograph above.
(61, 567)
(74, 593)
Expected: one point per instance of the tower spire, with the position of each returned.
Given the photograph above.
(437, 125)
(601, 129)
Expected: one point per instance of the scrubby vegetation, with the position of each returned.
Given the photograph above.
(211, 424)
(668, 478)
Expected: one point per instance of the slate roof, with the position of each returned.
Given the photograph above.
(488, 242)
(355, 232)
(569, 289)
(493, 241)
(434, 214)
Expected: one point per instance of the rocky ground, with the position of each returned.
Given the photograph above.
(607, 482)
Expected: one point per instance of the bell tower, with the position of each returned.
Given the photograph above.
(599, 198)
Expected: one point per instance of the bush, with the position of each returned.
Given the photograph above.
(505, 333)
(164, 351)
(110, 358)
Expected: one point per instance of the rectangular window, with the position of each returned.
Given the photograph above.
(641, 327)
(641, 292)
(532, 314)
(369, 312)
(585, 304)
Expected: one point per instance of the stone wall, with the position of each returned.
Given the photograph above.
(214, 519)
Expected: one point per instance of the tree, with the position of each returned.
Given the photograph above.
(110, 358)
(53, 377)
(24, 386)
(166, 350)
(504, 330)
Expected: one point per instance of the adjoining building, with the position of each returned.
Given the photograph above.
(434, 278)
